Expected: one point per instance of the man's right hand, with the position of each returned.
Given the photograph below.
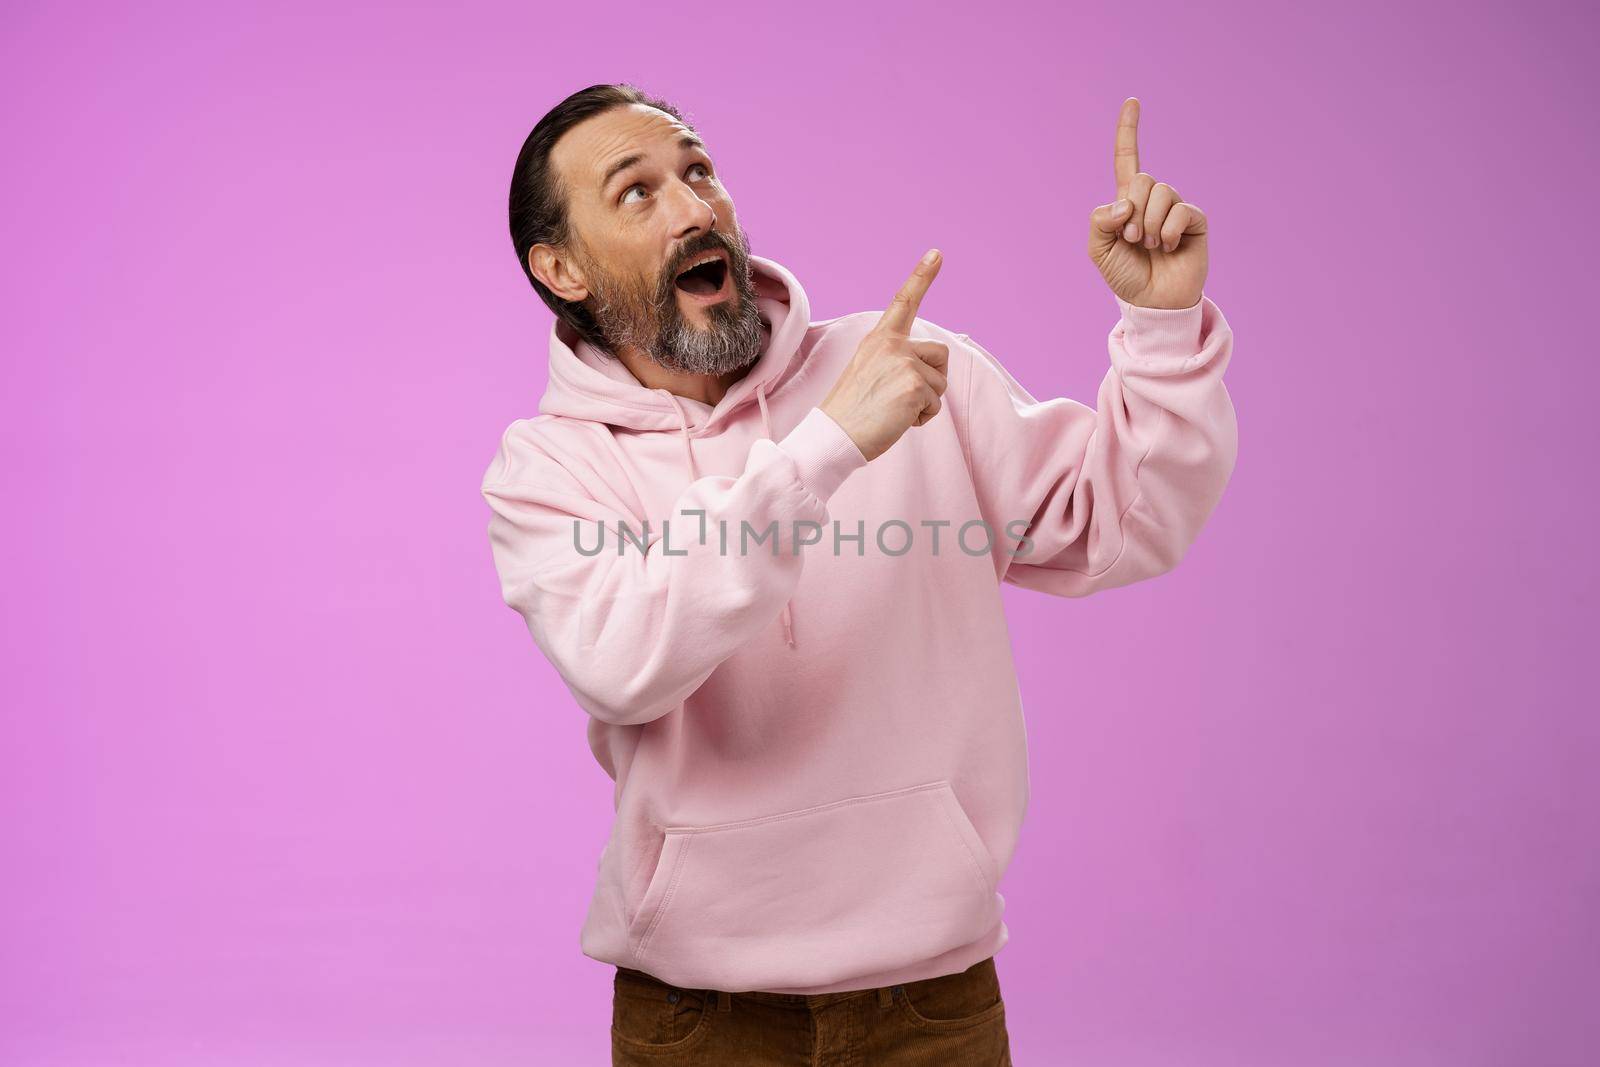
(894, 381)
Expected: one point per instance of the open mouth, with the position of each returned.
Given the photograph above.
(704, 277)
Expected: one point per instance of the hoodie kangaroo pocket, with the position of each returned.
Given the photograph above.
(817, 895)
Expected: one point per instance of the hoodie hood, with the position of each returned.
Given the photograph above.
(588, 383)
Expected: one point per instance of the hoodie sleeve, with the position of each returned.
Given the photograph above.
(1108, 495)
(634, 633)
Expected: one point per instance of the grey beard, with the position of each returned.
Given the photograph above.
(731, 340)
(725, 345)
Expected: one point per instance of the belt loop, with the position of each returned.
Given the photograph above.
(724, 1000)
(885, 996)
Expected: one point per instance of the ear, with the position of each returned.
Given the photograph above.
(558, 272)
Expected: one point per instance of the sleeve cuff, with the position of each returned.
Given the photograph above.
(1160, 334)
(823, 452)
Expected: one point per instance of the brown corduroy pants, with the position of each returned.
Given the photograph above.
(953, 1020)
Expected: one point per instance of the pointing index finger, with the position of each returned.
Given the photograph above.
(902, 310)
(1126, 156)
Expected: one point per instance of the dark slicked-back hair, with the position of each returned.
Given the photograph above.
(539, 203)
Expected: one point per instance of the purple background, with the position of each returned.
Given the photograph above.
(283, 780)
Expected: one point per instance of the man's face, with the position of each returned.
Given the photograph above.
(645, 206)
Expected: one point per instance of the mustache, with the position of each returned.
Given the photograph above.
(664, 300)
(709, 241)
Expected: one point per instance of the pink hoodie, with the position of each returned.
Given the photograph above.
(817, 741)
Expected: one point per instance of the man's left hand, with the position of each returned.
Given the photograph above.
(1149, 244)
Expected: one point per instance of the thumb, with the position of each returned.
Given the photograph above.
(1105, 225)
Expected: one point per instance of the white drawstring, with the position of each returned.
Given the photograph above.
(787, 617)
(766, 425)
(683, 420)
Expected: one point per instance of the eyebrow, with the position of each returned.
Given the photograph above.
(687, 140)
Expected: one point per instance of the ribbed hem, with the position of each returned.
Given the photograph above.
(1160, 334)
(824, 453)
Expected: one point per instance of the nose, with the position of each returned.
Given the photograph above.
(690, 212)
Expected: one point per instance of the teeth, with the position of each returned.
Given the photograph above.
(707, 258)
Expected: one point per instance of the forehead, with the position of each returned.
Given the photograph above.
(585, 152)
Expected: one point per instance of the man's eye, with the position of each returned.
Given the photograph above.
(703, 169)
(630, 191)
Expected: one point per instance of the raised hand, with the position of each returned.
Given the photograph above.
(1149, 244)
(894, 381)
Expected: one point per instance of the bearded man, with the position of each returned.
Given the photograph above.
(764, 553)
